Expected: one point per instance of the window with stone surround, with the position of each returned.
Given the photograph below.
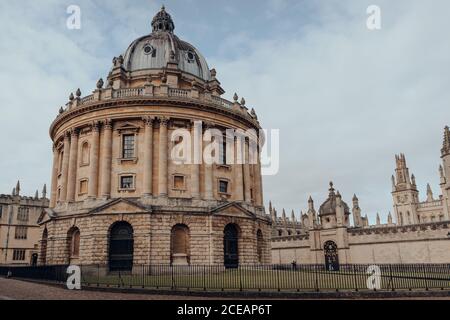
(223, 186)
(127, 182)
(179, 182)
(19, 255)
(128, 145)
(21, 233)
(83, 187)
(23, 214)
(85, 151)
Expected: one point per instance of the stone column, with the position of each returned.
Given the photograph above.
(65, 167)
(196, 157)
(238, 173)
(73, 160)
(106, 159)
(93, 169)
(54, 192)
(208, 176)
(148, 157)
(258, 180)
(247, 178)
(163, 150)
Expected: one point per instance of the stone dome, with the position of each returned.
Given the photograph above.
(155, 50)
(329, 206)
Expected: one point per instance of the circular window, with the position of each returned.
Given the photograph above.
(190, 56)
(148, 49)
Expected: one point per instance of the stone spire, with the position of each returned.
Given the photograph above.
(293, 217)
(13, 192)
(393, 183)
(162, 22)
(389, 218)
(44, 191)
(18, 188)
(446, 144)
(429, 193)
(413, 179)
(442, 175)
(36, 195)
(378, 219)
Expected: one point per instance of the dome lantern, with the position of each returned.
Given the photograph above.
(163, 21)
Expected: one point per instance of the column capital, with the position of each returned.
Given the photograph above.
(107, 123)
(164, 121)
(148, 120)
(67, 134)
(95, 126)
(74, 132)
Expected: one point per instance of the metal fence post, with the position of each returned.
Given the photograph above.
(316, 279)
(355, 278)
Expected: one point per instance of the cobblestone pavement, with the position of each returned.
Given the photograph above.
(20, 290)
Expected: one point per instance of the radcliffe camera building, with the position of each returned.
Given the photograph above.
(117, 195)
(121, 197)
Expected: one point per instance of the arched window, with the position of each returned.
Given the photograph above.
(121, 247)
(260, 246)
(74, 242)
(409, 217)
(85, 153)
(401, 218)
(179, 245)
(231, 246)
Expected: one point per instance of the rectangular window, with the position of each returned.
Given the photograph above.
(19, 255)
(178, 182)
(22, 215)
(223, 186)
(83, 186)
(1, 211)
(128, 146)
(127, 182)
(21, 233)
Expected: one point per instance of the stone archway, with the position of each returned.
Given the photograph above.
(231, 246)
(121, 247)
(179, 245)
(331, 256)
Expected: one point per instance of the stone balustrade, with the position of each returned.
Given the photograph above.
(156, 91)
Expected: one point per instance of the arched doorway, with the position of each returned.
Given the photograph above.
(231, 246)
(331, 256)
(121, 247)
(259, 245)
(179, 245)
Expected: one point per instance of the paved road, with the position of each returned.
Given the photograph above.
(20, 290)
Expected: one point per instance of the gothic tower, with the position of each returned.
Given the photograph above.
(444, 171)
(404, 193)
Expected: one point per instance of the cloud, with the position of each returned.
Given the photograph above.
(345, 98)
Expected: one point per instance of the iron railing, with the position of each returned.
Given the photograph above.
(264, 278)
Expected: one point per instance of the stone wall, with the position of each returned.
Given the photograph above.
(152, 237)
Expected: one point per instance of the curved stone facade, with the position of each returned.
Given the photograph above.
(116, 157)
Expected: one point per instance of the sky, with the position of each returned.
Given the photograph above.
(345, 98)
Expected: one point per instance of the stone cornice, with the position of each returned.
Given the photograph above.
(150, 101)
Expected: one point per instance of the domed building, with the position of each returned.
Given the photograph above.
(120, 195)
